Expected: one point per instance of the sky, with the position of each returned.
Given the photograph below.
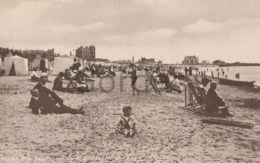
(167, 30)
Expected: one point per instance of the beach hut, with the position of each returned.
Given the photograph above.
(36, 62)
(1, 64)
(62, 63)
(9, 55)
(16, 65)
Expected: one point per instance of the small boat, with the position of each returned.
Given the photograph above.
(236, 82)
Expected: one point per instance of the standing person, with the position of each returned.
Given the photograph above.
(218, 74)
(133, 76)
(186, 71)
(43, 63)
(190, 71)
(93, 69)
(212, 75)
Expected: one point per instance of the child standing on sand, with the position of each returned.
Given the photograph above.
(126, 125)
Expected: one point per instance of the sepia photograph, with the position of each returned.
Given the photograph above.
(129, 81)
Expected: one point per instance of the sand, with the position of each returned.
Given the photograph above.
(167, 132)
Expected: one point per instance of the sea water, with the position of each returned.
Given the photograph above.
(247, 73)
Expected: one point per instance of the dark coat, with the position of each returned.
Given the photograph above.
(213, 101)
(42, 65)
(75, 66)
(57, 85)
(35, 105)
(47, 97)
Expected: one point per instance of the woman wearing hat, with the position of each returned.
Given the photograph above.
(214, 103)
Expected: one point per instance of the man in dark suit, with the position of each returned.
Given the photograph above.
(48, 100)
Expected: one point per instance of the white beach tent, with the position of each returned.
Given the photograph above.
(36, 62)
(9, 55)
(1, 64)
(62, 63)
(16, 65)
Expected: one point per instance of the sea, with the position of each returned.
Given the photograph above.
(247, 73)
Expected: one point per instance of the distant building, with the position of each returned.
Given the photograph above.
(88, 53)
(190, 60)
(101, 60)
(146, 61)
(122, 61)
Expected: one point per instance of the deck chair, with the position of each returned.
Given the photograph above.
(151, 85)
(199, 95)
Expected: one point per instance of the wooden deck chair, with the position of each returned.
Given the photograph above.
(199, 95)
(151, 85)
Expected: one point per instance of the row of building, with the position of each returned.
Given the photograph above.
(89, 53)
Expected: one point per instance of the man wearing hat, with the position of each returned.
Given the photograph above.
(46, 100)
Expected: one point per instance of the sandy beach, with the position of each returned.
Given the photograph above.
(167, 132)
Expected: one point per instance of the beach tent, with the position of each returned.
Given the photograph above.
(1, 64)
(51, 65)
(16, 66)
(9, 55)
(62, 63)
(36, 62)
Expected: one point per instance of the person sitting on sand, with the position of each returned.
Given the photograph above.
(57, 85)
(34, 76)
(76, 65)
(126, 125)
(39, 106)
(164, 78)
(81, 83)
(174, 85)
(46, 96)
(204, 84)
(214, 103)
(110, 71)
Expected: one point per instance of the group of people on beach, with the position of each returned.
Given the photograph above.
(46, 101)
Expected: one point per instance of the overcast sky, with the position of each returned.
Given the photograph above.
(166, 30)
